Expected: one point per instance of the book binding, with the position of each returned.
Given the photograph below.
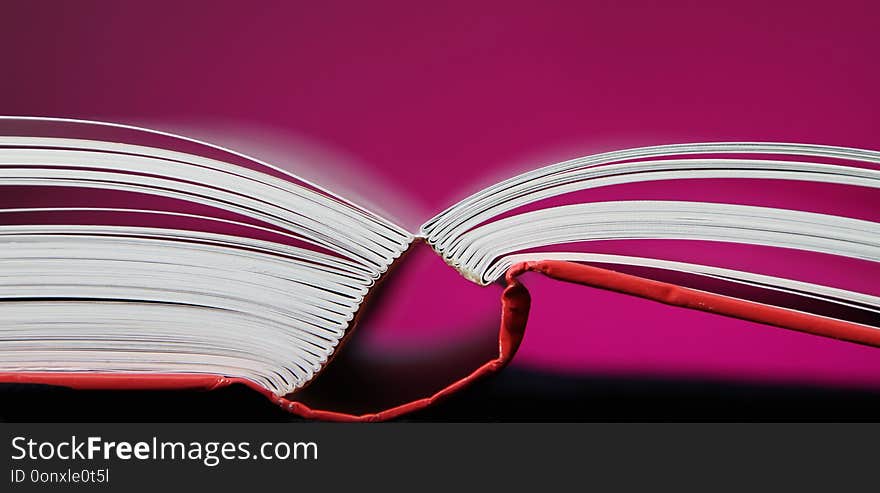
(515, 304)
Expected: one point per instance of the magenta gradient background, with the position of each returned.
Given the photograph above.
(440, 100)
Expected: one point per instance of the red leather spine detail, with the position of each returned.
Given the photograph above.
(117, 381)
(671, 294)
(515, 302)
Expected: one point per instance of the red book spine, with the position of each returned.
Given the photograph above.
(672, 294)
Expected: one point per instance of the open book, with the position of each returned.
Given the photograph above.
(168, 262)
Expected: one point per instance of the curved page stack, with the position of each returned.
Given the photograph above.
(168, 262)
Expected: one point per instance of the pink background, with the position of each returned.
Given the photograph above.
(412, 106)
